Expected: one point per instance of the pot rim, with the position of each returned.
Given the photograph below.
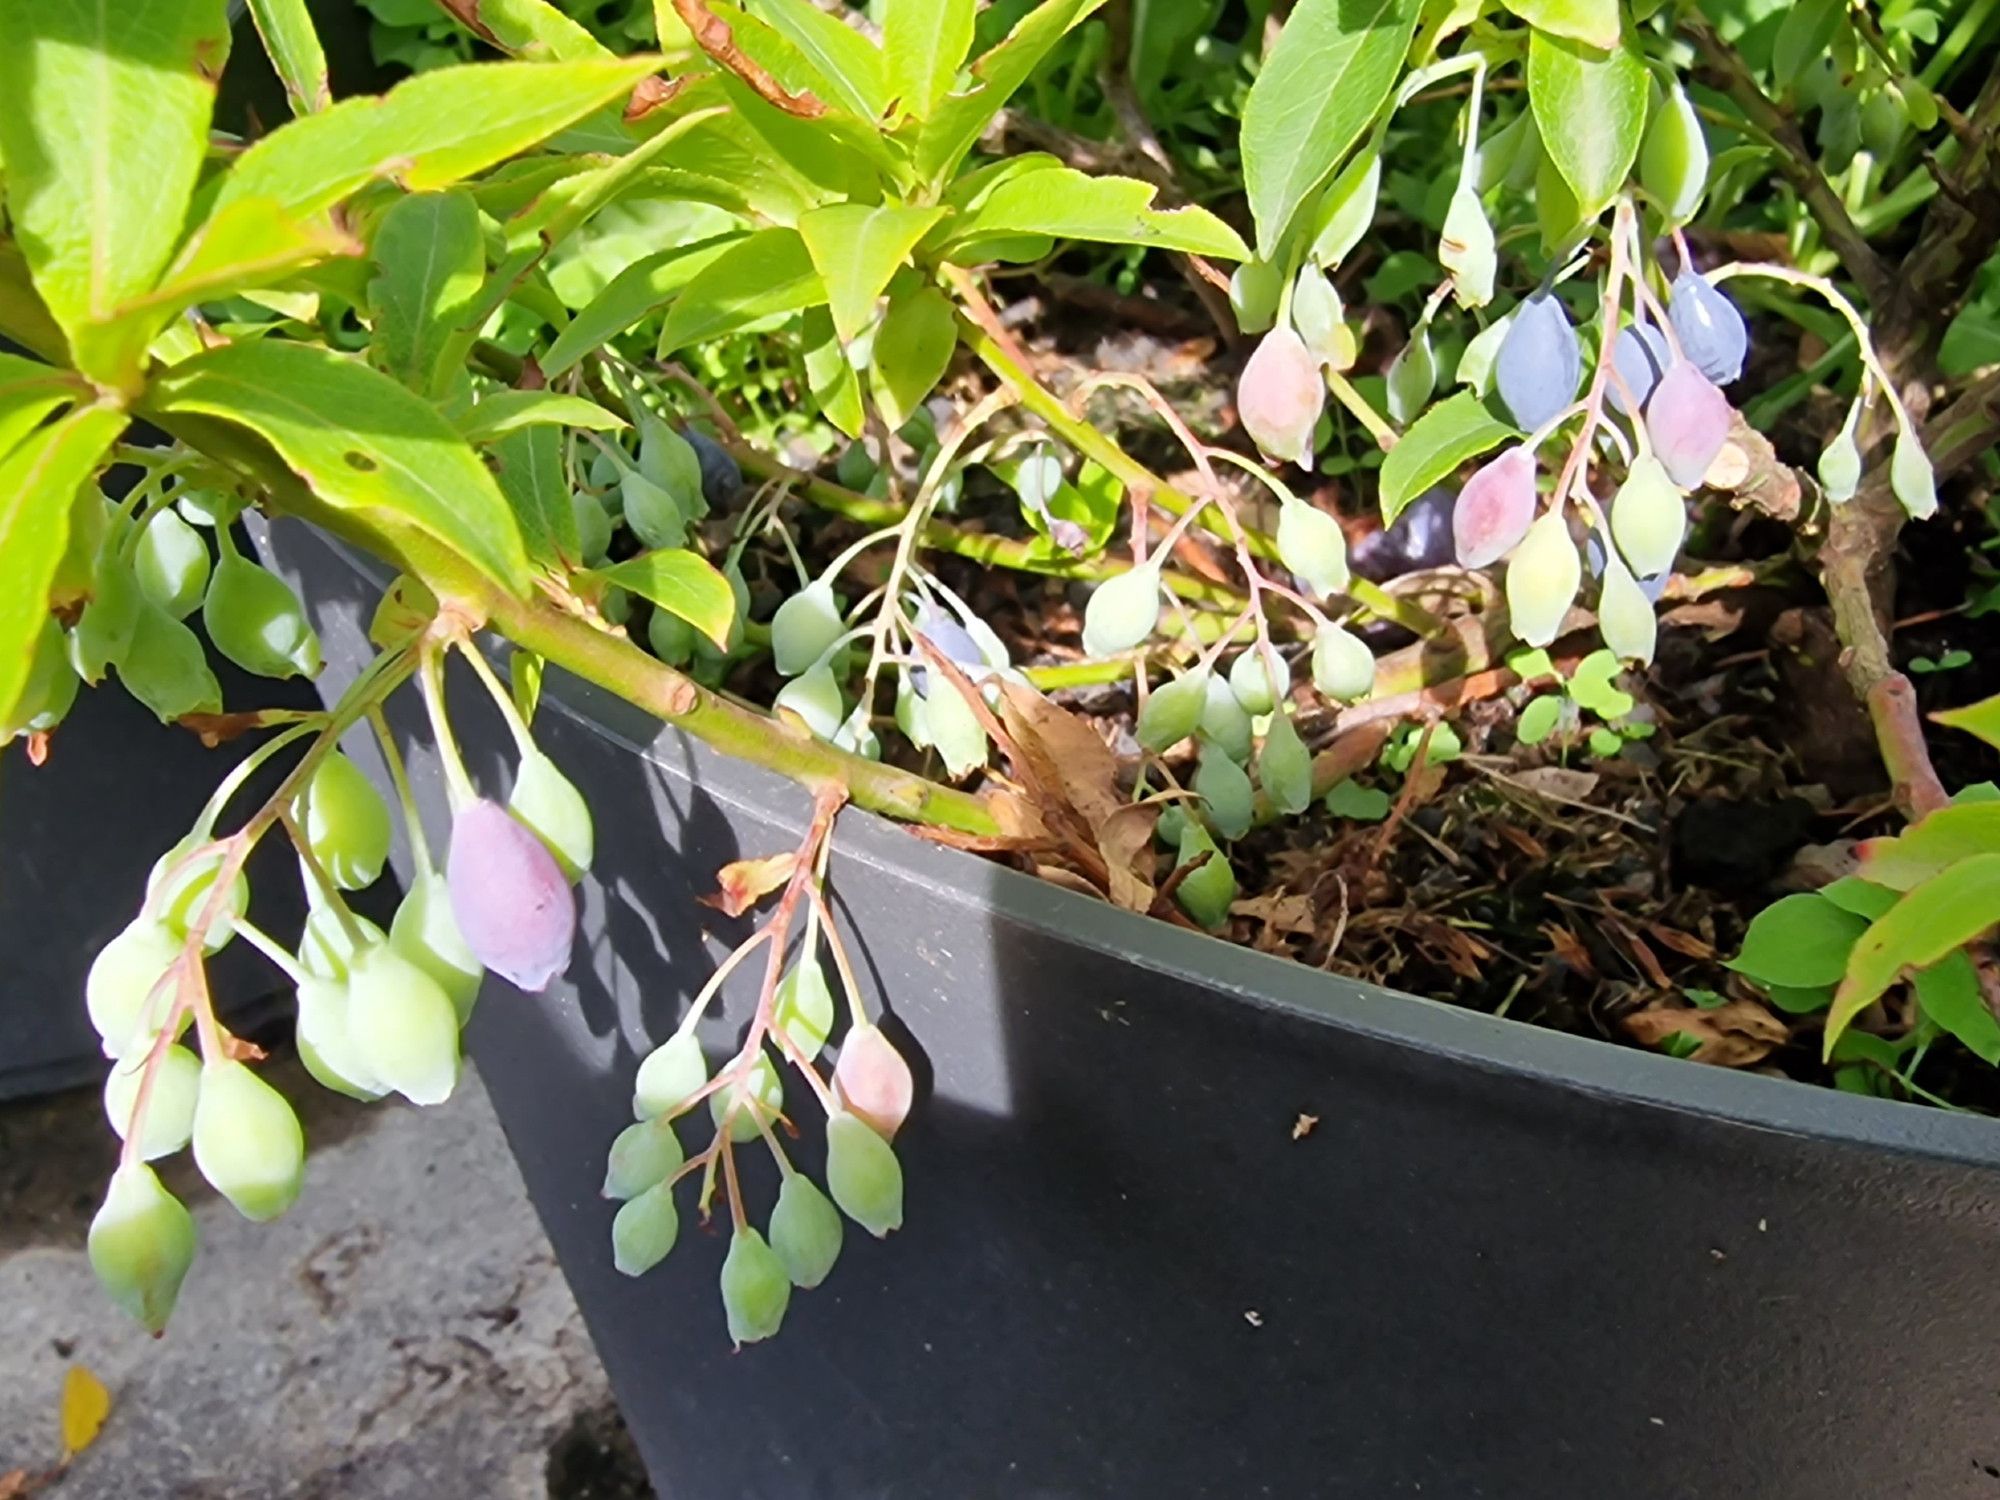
(1494, 1044)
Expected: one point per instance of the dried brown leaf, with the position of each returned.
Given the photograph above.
(1064, 756)
(1738, 1034)
(1559, 782)
(1126, 840)
(1683, 943)
(1569, 948)
(742, 884)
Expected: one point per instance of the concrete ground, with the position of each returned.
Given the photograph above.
(402, 1332)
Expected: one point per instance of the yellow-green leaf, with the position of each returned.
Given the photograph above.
(1069, 204)
(912, 351)
(38, 485)
(1981, 719)
(29, 391)
(85, 1406)
(923, 43)
(850, 64)
(1590, 108)
(428, 132)
(960, 117)
(286, 29)
(681, 582)
(390, 454)
(103, 129)
(1320, 87)
(1906, 860)
(503, 412)
(857, 249)
(251, 243)
(1943, 914)
(1593, 22)
(758, 276)
(634, 294)
(430, 262)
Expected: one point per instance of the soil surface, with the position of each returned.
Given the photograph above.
(1595, 893)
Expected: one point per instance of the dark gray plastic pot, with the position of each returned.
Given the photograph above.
(1506, 1263)
(77, 838)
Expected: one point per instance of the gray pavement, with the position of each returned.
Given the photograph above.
(402, 1332)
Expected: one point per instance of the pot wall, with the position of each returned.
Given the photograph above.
(78, 836)
(1503, 1263)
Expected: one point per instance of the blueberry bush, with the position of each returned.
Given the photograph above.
(725, 353)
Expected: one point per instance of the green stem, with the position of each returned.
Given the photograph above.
(420, 850)
(1086, 439)
(940, 536)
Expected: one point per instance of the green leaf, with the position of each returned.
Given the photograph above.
(1322, 83)
(961, 117)
(1800, 1002)
(1942, 914)
(1981, 719)
(1799, 942)
(501, 412)
(857, 249)
(391, 454)
(1590, 108)
(1592, 22)
(1347, 208)
(252, 243)
(847, 60)
(1455, 430)
(1948, 992)
(912, 350)
(634, 294)
(759, 276)
(286, 28)
(1364, 804)
(29, 391)
(532, 29)
(38, 485)
(103, 132)
(528, 463)
(1851, 893)
(1538, 719)
(838, 157)
(1069, 204)
(1803, 37)
(427, 132)
(830, 376)
(1937, 840)
(681, 582)
(923, 43)
(430, 261)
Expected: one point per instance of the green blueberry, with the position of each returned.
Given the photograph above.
(141, 1244)
(644, 1229)
(670, 1075)
(756, 1288)
(863, 1174)
(426, 933)
(169, 1105)
(1173, 711)
(171, 564)
(549, 803)
(346, 822)
(806, 1231)
(247, 1140)
(643, 1156)
(403, 1025)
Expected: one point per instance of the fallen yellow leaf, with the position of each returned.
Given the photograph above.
(85, 1405)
